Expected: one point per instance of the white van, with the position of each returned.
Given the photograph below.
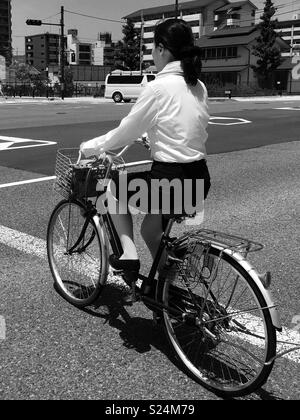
(126, 85)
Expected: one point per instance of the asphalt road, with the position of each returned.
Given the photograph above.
(54, 351)
(70, 124)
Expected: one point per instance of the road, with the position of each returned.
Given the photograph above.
(54, 351)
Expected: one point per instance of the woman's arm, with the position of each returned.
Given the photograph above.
(141, 117)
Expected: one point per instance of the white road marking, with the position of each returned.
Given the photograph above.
(37, 247)
(236, 121)
(289, 108)
(2, 328)
(7, 143)
(29, 181)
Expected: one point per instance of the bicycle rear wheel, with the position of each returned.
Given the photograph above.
(79, 267)
(218, 323)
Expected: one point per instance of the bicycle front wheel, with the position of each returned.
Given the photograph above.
(218, 323)
(77, 254)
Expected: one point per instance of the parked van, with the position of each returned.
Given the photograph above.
(126, 85)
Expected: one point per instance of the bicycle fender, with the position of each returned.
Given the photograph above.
(254, 275)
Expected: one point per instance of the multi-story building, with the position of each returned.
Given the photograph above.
(289, 30)
(80, 53)
(104, 50)
(199, 13)
(42, 51)
(99, 53)
(5, 30)
(204, 16)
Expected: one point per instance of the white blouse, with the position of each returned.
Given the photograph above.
(174, 115)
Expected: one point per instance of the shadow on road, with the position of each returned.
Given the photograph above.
(141, 333)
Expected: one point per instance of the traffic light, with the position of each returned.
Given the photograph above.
(33, 22)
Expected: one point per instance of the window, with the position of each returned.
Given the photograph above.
(218, 53)
(125, 80)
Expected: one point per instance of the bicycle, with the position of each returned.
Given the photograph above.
(217, 311)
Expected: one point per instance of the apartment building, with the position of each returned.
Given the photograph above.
(98, 53)
(200, 14)
(5, 30)
(289, 30)
(43, 51)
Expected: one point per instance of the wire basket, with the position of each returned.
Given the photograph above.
(65, 168)
(79, 180)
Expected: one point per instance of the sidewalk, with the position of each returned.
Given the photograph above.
(91, 99)
(27, 99)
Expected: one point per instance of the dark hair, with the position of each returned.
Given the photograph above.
(177, 37)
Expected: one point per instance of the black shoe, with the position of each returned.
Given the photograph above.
(126, 265)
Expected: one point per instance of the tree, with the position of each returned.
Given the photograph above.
(128, 53)
(269, 57)
(69, 85)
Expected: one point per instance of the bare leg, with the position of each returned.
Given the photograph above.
(124, 226)
(152, 232)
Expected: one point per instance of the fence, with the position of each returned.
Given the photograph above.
(31, 90)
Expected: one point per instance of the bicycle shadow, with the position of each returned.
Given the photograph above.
(136, 332)
(141, 334)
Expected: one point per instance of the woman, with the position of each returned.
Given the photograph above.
(173, 110)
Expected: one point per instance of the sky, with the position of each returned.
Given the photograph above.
(49, 11)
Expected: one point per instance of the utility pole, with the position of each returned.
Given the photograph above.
(62, 52)
(176, 9)
(62, 45)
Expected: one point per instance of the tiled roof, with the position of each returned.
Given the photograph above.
(220, 41)
(235, 36)
(170, 7)
(244, 30)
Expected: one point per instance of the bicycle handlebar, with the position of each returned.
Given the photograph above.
(142, 140)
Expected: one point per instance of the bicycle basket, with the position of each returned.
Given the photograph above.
(73, 180)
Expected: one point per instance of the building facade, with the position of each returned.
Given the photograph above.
(227, 57)
(99, 53)
(200, 14)
(204, 16)
(289, 30)
(5, 31)
(42, 51)
(235, 15)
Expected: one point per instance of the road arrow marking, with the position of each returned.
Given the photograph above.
(15, 143)
(235, 121)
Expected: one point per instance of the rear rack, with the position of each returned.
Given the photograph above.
(223, 240)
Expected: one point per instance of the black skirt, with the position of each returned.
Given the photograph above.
(172, 189)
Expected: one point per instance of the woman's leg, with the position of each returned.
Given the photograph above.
(122, 220)
(152, 232)
(124, 226)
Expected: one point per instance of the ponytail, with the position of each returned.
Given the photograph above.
(190, 58)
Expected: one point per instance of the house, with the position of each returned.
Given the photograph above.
(227, 55)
